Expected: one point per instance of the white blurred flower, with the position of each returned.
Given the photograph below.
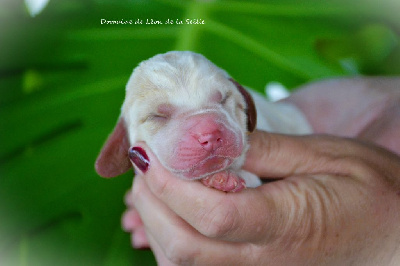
(275, 91)
(35, 6)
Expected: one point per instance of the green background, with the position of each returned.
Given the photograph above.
(62, 78)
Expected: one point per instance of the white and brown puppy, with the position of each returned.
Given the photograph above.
(195, 118)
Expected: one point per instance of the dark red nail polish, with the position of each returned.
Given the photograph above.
(139, 157)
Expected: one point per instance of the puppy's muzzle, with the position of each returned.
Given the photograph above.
(209, 144)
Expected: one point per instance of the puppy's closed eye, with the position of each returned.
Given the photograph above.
(155, 117)
(163, 113)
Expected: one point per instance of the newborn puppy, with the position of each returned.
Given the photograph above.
(195, 118)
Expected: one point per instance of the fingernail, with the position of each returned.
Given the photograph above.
(139, 157)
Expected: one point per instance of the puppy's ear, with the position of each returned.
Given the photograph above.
(113, 159)
(250, 106)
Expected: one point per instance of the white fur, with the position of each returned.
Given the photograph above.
(186, 82)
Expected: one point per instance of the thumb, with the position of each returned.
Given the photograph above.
(278, 156)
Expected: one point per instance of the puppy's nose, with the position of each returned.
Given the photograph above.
(210, 141)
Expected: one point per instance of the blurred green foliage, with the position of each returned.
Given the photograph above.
(62, 78)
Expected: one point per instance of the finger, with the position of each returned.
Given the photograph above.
(128, 198)
(278, 156)
(174, 239)
(132, 223)
(131, 220)
(139, 239)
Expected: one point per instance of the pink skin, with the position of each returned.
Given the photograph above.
(225, 181)
(207, 148)
(365, 108)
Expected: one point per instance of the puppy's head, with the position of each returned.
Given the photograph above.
(191, 114)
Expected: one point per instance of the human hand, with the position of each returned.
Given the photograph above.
(336, 203)
(364, 108)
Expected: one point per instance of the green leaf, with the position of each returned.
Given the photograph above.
(368, 50)
(62, 79)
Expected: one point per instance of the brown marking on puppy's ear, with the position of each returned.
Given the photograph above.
(113, 159)
(250, 106)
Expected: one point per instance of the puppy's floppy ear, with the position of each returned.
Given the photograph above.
(113, 159)
(250, 106)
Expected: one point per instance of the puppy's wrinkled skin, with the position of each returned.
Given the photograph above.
(195, 118)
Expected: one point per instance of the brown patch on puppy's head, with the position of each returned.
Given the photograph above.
(250, 106)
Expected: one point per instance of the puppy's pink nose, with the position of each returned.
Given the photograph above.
(210, 141)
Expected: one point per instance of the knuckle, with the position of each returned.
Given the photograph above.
(161, 188)
(159, 182)
(220, 221)
(181, 251)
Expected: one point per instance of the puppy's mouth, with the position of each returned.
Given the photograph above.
(210, 165)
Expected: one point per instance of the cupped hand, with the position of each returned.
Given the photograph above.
(337, 202)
